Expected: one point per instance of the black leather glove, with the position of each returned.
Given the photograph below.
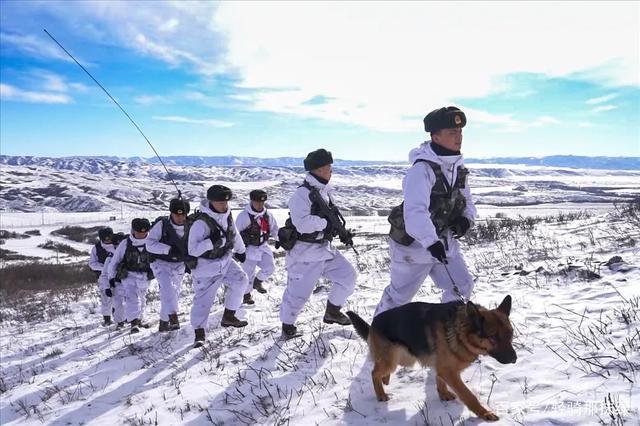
(277, 245)
(240, 257)
(112, 282)
(460, 226)
(108, 292)
(347, 238)
(437, 250)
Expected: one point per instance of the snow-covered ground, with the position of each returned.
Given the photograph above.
(576, 321)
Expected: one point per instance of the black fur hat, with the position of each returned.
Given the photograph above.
(117, 238)
(179, 206)
(219, 193)
(444, 118)
(258, 195)
(140, 225)
(318, 158)
(105, 233)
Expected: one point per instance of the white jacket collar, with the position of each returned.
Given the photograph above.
(424, 152)
(137, 241)
(221, 218)
(252, 212)
(108, 247)
(317, 184)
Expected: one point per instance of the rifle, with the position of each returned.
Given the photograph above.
(334, 217)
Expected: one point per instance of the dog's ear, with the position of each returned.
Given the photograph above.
(505, 306)
(474, 317)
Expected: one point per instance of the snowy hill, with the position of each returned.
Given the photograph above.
(575, 313)
(105, 184)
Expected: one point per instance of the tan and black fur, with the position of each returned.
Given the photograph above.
(445, 336)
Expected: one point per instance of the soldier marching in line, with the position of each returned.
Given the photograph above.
(167, 247)
(436, 211)
(307, 237)
(99, 254)
(130, 265)
(256, 225)
(114, 289)
(218, 248)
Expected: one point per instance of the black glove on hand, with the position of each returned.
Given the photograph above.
(108, 292)
(97, 273)
(437, 251)
(347, 239)
(240, 257)
(112, 282)
(460, 226)
(277, 245)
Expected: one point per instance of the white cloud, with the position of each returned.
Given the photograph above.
(151, 100)
(544, 120)
(377, 62)
(152, 28)
(601, 99)
(585, 124)
(39, 47)
(380, 62)
(12, 93)
(208, 122)
(603, 108)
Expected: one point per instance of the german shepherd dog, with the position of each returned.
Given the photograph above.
(445, 336)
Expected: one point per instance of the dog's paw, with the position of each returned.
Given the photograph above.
(446, 396)
(490, 417)
(383, 397)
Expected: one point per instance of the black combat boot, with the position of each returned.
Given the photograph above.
(199, 342)
(107, 320)
(135, 326)
(120, 325)
(289, 331)
(333, 315)
(247, 299)
(174, 324)
(229, 319)
(257, 284)
(163, 326)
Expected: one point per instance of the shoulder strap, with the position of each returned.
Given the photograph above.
(437, 171)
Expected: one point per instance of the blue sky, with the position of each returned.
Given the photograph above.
(281, 79)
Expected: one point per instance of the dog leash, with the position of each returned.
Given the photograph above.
(456, 290)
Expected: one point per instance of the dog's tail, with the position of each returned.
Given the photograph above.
(362, 328)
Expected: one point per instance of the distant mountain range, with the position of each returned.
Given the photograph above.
(88, 163)
(90, 184)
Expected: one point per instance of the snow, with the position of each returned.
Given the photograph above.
(117, 187)
(576, 352)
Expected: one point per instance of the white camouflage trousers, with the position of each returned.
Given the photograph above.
(118, 303)
(407, 278)
(106, 303)
(135, 289)
(169, 276)
(302, 278)
(205, 289)
(266, 265)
